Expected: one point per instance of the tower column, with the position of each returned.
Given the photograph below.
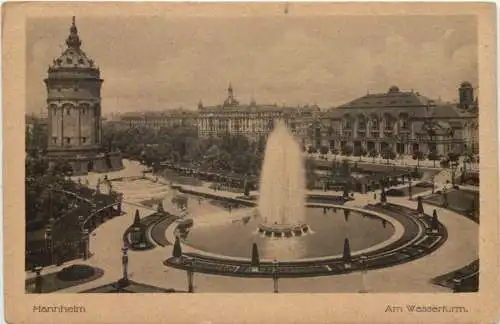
(62, 126)
(79, 116)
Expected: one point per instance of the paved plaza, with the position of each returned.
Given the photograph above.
(147, 267)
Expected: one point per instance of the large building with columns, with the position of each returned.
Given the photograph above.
(74, 111)
(252, 120)
(401, 121)
(159, 119)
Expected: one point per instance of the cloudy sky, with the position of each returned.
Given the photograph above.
(154, 63)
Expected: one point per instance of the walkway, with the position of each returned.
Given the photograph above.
(460, 249)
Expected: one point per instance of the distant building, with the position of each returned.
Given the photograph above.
(31, 120)
(157, 120)
(74, 111)
(252, 120)
(402, 121)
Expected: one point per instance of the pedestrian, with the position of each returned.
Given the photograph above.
(374, 195)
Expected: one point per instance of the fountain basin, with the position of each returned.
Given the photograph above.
(283, 230)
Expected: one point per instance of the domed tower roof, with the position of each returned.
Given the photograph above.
(466, 84)
(393, 89)
(73, 56)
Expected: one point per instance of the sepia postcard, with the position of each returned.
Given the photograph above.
(276, 162)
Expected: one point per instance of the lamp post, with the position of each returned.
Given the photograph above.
(433, 137)
(190, 276)
(85, 244)
(38, 280)
(125, 262)
(409, 184)
(275, 275)
(362, 262)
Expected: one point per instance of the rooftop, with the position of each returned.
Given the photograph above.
(173, 113)
(73, 56)
(397, 101)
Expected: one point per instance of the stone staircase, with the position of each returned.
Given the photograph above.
(445, 174)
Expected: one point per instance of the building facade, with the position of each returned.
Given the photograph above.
(74, 111)
(160, 119)
(401, 121)
(252, 120)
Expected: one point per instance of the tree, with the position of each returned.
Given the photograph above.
(383, 197)
(177, 251)
(346, 214)
(160, 207)
(345, 168)
(323, 150)
(247, 188)
(420, 206)
(346, 256)
(311, 176)
(137, 218)
(433, 156)
(347, 150)
(255, 256)
(388, 154)
(434, 221)
(335, 152)
(418, 155)
(346, 191)
(363, 152)
(474, 208)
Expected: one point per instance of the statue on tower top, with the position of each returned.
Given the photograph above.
(73, 41)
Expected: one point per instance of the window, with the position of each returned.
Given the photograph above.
(69, 60)
(80, 61)
(403, 121)
(84, 139)
(361, 123)
(68, 140)
(347, 123)
(68, 111)
(54, 139)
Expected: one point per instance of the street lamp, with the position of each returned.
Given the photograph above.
(190, 276)
(275, 275)
(362, 262)
(433, 137)
(125, 262)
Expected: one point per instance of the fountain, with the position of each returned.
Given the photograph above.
(282, 189)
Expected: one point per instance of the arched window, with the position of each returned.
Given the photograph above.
(403, 121)
(361, 122)
(347, 122)
(389, 122)
(375, 122)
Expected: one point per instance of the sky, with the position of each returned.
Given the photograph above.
(159, 63)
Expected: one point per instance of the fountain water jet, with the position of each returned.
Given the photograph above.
(282, 187)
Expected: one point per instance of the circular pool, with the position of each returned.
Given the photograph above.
(233, 236)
